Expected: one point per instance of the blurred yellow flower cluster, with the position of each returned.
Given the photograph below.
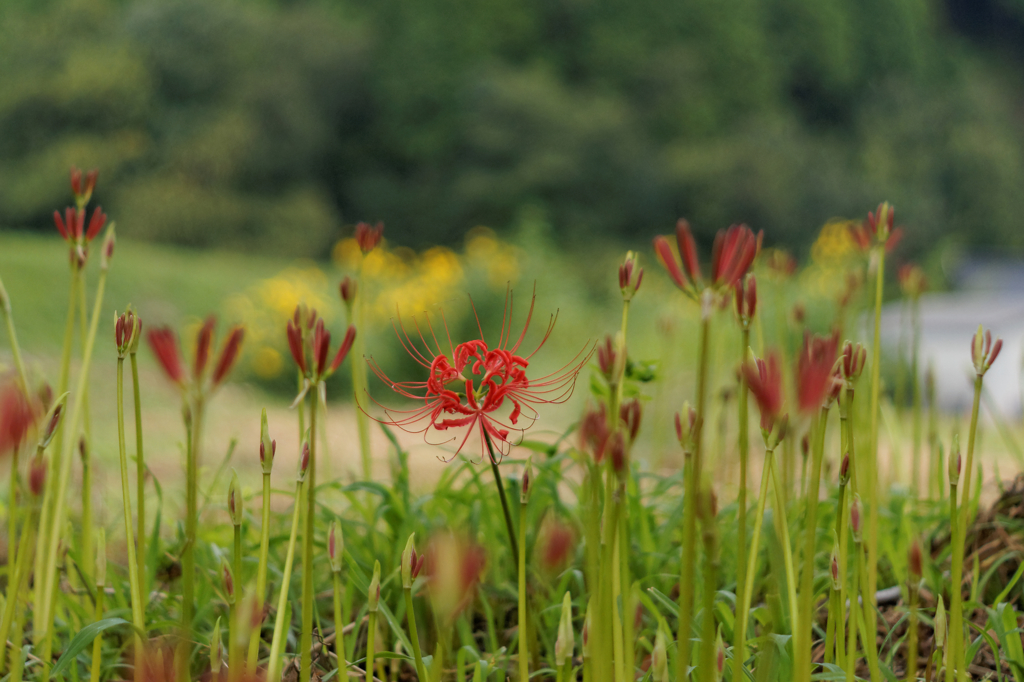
(831, 257)
(390, 279)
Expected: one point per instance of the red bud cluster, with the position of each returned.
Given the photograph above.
(814, 370)
(17, 416)
(983, 351)
(630, 414)
(746, 299)
(630, 276)
(348, 290)
(314, 364)
(913, 281)
(164, 345)
(368, 237)
(764, 378)
(877, 229)
(732, 254)
(854, 356)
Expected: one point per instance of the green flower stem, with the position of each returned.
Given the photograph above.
(687, 573)
(12, 335)
(869, 486)
(59, 520)
(360, 385)
(607, 612)
(17, 582)
(261, 576)
(86, 453)
(708, 670)
(830, 628)
(339, 625)
(12, 506)
(912, 644)
(138, 620)
(140, 479)
(414, 639)
(755, 541)
(97, 644)
(782, 530)
(868, 636)
(740, 639)
(509, 527)
(280, 632)
(842, 520)
(371, 645)
(806, 601)
(968, 470)
(955, 640)
(38, 596)
(628, 599)
(194, 430)
(850, 665)
(234, 652)
(524, 650)
(306, 638)
(916, 398)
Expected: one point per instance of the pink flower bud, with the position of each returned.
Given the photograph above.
(37, 475)
(348, 289)
(630, 413)
(304, 462)
(368, 237)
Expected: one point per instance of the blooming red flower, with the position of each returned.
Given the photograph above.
(477, 388)
(764, 379)
(164, 344)
(877, 228)
(814, 370)
(228, 355)
(315, 366)
(83, 194)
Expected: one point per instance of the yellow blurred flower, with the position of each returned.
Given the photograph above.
(498, 259)
(834, 242)
(267, 362)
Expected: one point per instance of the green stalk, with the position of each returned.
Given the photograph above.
(751, 567)
(306, 638)
(869, 487)
(851, 641)
(707, 670)
(101, 595)
(830, 627)
(12, 335)
(739, 647)
(360, 385)
(17, 581)
(782, 529)
(339, 625)
(524, 652)
(234, 653)
(968, 470)
(85, 449)
(277, 641)
(509, 527)
(841, 523)
(12, 505)
(261, 575)
(687, 571)
(954, 647)
(803, 639)
(140, 477)
(59, 499)
(133, 568)
(193, 430)
(371, 645)
(868, 636)
(912, 649)
(607, 612)
(38, 597)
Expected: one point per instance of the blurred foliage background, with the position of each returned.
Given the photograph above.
(273, 126)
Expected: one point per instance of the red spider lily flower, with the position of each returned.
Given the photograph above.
(686, 424)
(369, 237)
(913, 281)
(315, 367)
(877, 229)
(764, 379)
(71, 227)
(228, 355)
(203, 341)
(295, 344)
(630, 276)
(854, 357)
(17, 416)
(814, 370)
(164, 344)
(692, 279)
(477, 388)
(454, 566)
(732, 254)
(594, 433)
(983, 351)
(746, 299)
(83, 193)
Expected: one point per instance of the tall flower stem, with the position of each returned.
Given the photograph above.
(261, 575)
(509, 527)
(193, 430)
(954, 648)
(85, 449)
(339, 624)
(868, 636)
(306, 638)
(234, 625)
(850, 664)
(133, 567)
(687, 572)
(740, 640)
(803, 638)
(140, 477)
(968, 469)
(371, 645)
(18, 580)
(915, 378)
(414, 638)
(751, 566)
(277, 641)
(48, 593)
(12, 336)
(524, 650)
(782, 529)
(707, 670)
(360, 385)
(869, 484)
(38, 597)
(100, 576)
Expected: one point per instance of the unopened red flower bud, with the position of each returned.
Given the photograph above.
(746, 299)
(719, 656)
(52, 421)
(203, 341)
(983, 351)
(348, 288)
(855, 517)
(107, 251)
(854, 356)
(96, 223)
(524, 495)
(229, 582)
(368, 237)
(844, 470)
(915, 561)
(346, 346)
(686, 423)
(165, 347)
(619, 456)
(268, 447)
(630, 276)
(37, 474)
(556, 543)
(833, 565)
(630, 413)
(228, 355)
(409, 562)
(76, 180)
